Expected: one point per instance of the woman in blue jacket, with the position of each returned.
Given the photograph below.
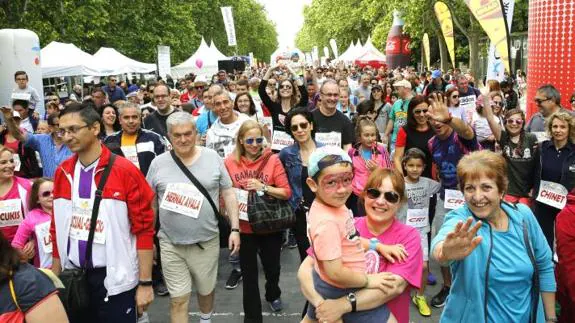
(498, 256)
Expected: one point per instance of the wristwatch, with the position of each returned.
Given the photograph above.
(145, 283)
(265, 189)
(353, 301)
(235, 230)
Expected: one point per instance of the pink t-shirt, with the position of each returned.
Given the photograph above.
(410, 270)
(333, 236)
(12, 212)
(36, 223)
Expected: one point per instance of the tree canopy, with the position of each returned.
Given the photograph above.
(136, 27)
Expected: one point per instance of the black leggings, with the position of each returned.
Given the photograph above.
(300, 232)
(546, 215)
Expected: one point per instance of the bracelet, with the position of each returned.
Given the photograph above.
(373, 242)
(235, 230)
(145, 283)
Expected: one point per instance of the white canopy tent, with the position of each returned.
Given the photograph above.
(120, 63)
(203, 62)
(216, 53)
(348, 54)
(61, 59)
(369, 47)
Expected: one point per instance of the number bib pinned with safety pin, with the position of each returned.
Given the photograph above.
(453, 199)
(552, 194)
(182, 198)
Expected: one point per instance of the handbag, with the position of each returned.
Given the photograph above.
(223, 224)
(75, 296)
(267, 213)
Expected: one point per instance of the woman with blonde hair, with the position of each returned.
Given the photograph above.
(252, 167)
(554, 175)
(501, 265)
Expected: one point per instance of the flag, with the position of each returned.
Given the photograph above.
(229, 24)
(445, 21)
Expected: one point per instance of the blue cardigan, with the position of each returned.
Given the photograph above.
(465, 302)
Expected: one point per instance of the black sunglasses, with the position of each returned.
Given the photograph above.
(46, 193)
(302, 125)
(374, 194)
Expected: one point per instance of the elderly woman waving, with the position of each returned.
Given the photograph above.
(499, 258)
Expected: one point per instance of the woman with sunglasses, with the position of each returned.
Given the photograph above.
(452, 99)
(381, 107)
(383, 196)
(480, 122)
(502, 268)
(301, 127)
(519, 149)
(291, 93)
(243, 164)
(36, 225)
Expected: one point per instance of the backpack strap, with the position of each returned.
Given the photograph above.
(13, 292)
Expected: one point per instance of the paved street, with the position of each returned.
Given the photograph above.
(229, 302)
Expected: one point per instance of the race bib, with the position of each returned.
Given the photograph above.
(371, 262)
(453, 199)
(81, 218)
(541, 136)
(242, 196)
(280, 140)
(10, 213)
(131, 154)
(552, 194)
(17, 162)
(329, 138)
(182, 198)
(418, 218)
(267, 121)
(43, 237)
(21, 96)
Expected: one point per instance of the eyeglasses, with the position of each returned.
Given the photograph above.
(422, 111)
(287, 87)
(498, 103)
(539, 101)
(199, 87)
(302, 126)
(257, 140)
(374, 194)
(46, 193)
(514, 121)
(455, 96)
(72, 130)
(112, 80)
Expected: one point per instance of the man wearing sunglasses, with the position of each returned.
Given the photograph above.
(113, 91)
(548, 101)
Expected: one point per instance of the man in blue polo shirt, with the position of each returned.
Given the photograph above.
(114, 92)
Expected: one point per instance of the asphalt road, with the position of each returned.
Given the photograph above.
(229, 302)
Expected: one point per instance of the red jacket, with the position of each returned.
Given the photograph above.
(565, 235)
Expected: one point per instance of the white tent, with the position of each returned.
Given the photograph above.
(369, 47)
(120, 63)
(348, 54)
(60, 59)
(203, 62)
(216, 53)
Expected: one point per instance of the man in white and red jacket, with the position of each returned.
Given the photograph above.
(119, 273)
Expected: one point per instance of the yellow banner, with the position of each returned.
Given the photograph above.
(444, 17)
(426, 50)
(490, 15)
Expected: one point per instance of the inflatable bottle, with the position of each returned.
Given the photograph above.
(397, 50)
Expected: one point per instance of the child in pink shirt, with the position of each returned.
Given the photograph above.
(36, 225)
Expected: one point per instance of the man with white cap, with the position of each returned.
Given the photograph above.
(398, 113)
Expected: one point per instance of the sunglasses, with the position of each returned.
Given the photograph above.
(199, 87)
(46, 194)
(514, 121)
(497, 103)
(374, 194)
(257, 140)
(302, 126)
(287, 87)
(423, 111)
(455, 96)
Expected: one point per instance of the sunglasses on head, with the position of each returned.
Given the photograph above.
(374, 194)
(302, 126)
(46, 194)
(257, 140)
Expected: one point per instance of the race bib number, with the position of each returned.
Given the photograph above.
(81, 218)
(371, 262)
(541, 136)
(242, 196)
(17, 162)
(182, 198)
(21, 96)
(418, 218)
(280, 140)
(329, 138)
(468, 103)
(453, 199)
(10, 213)
(131, 154)
(43, 237)
(552, 194)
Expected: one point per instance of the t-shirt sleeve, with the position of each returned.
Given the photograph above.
(391, 114)
(31, 286)
(434, 187)
(412, 268)
(23, 234)
(151, 176)
(401, 138)
(225, 179)
(326, 241)
(139, 197)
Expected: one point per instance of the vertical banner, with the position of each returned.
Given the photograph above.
(495, 68)
(315, 55)
(489, 14)
(426, 50)
(164, 63)
(333, 46)
(251, 59)
(326, 52)
(229, 24)
(551, 48)
(445, 21)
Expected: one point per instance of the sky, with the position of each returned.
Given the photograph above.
(288, 17)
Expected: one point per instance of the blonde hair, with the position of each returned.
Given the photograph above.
(483, 163)
(248, 125)
(565, 117)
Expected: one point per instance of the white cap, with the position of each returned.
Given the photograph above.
(402, 83)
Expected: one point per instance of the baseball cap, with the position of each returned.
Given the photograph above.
(324, 157)
(402, 83)
(436, 74)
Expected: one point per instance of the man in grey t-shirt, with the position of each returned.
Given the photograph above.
(548, 101)
(189, 240)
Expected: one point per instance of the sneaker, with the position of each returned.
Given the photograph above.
(421, 304)
(439, 299)
(276, 305)
(292, 242)
(431, 280)
(160, 289)
(233, 281)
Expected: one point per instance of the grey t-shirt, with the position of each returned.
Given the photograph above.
(210, 170)
(537, 121)
(418, 196)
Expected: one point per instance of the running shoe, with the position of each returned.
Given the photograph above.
(292, 242)
(276, 305)
(234, 280)
(439, 299)
(421, 304)
(431, 280)
(160, 288)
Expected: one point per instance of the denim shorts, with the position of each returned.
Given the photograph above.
(377, 315)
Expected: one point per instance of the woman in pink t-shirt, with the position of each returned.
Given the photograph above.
(36, 225)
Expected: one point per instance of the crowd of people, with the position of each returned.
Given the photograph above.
(372, 174)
